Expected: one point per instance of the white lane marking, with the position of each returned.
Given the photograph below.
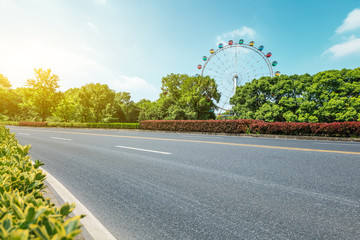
(65, 139)
(26, 134)
(347, 144)
(144, 150)
(90, 222)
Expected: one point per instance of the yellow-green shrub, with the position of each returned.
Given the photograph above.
(24, 212)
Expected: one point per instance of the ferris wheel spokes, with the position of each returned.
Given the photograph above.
(235, 64)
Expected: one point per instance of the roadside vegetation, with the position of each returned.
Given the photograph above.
(329, 96)
(24, 212)
(250, 126)
(182, 97)
(325, 97)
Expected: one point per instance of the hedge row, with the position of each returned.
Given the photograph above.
(24, 212)
(33, 124)
(338, 129)
(216, 126)
(12, 123)
(75, 125)
(95, 125)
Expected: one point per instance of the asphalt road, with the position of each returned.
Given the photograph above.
(146, 185)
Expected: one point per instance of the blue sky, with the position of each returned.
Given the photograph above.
(131, 45)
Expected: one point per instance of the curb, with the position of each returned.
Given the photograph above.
(295, 137)
(50, 193)
(92, 229)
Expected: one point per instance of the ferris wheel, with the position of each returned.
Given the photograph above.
(235, 64)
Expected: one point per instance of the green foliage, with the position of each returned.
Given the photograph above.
(183, 97)
(324, 97)
(24, 212)
(10, 101)
(95, 102)
(94, 125)
(33, 124)
(42, 95)
(65, 111)
(11, 123)
(4, 82)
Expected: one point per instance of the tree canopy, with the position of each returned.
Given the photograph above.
(4, 82)
(327, 96)
(43, 94)
(184, 97)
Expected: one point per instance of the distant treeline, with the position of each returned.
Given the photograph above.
(41, 100)
(182, 97)
(324, 97)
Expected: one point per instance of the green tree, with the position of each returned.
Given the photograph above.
(10, 104)
(43, 94)
(132, 112)
(65, 111)
(121, 98)
(185, 97)
(324, 97)
(4, 82)
(269, 112)
(95, 103)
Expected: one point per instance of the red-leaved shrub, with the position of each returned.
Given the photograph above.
(216, 126)
(336, 129)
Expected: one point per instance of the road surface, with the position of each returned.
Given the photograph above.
(150, 185)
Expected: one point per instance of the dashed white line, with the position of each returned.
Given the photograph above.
(26, 134)
(64, 139)
(144, 150)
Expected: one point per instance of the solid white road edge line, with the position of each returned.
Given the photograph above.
(65, 139)
(347, 144)
(144, 150)
(90, 222)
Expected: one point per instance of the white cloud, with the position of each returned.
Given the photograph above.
(350, 47)
(351, 22)
(244, 32)
(138, 87)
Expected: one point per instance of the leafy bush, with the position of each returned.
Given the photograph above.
(33, 124)
(24, 212)
(339, 129)
(281, 128)
(95, 125)
(75, 125)
(12, 123)
(216, 126)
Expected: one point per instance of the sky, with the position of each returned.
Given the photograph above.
(132, 45)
